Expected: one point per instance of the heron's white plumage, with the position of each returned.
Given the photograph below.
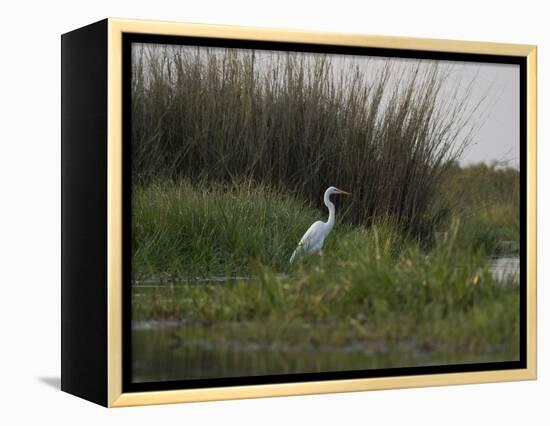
(314, 238)
(312, 241)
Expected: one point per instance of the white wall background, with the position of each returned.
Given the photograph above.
(30, 194)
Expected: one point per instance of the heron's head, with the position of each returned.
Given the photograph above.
(333, 190)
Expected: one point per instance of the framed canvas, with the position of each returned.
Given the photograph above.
(254, 212)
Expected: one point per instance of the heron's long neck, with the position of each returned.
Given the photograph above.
(331, 211)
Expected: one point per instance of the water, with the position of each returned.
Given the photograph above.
(504, 268)
(180, 350)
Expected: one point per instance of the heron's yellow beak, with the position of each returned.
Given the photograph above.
(339, 191)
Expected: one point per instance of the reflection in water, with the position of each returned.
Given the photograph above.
(179, 350)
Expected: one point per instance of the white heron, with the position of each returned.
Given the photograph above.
(313, 239)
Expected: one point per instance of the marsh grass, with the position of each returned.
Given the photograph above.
(206, 229)
(303, 122)
(369, 285)
(486, 200)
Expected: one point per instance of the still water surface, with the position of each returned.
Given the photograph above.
(505, 268)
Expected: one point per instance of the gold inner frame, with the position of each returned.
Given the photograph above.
(116, 27)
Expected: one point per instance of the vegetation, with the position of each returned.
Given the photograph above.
(370, 284)
(184, 230)
(232, 151)
(304, 123)
(485, 198)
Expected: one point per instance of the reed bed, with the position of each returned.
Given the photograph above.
(303, 122)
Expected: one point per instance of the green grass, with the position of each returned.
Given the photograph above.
(371, 283)
(485, 198)
(186, 230)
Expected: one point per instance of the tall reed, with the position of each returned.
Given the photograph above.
(302, 122)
